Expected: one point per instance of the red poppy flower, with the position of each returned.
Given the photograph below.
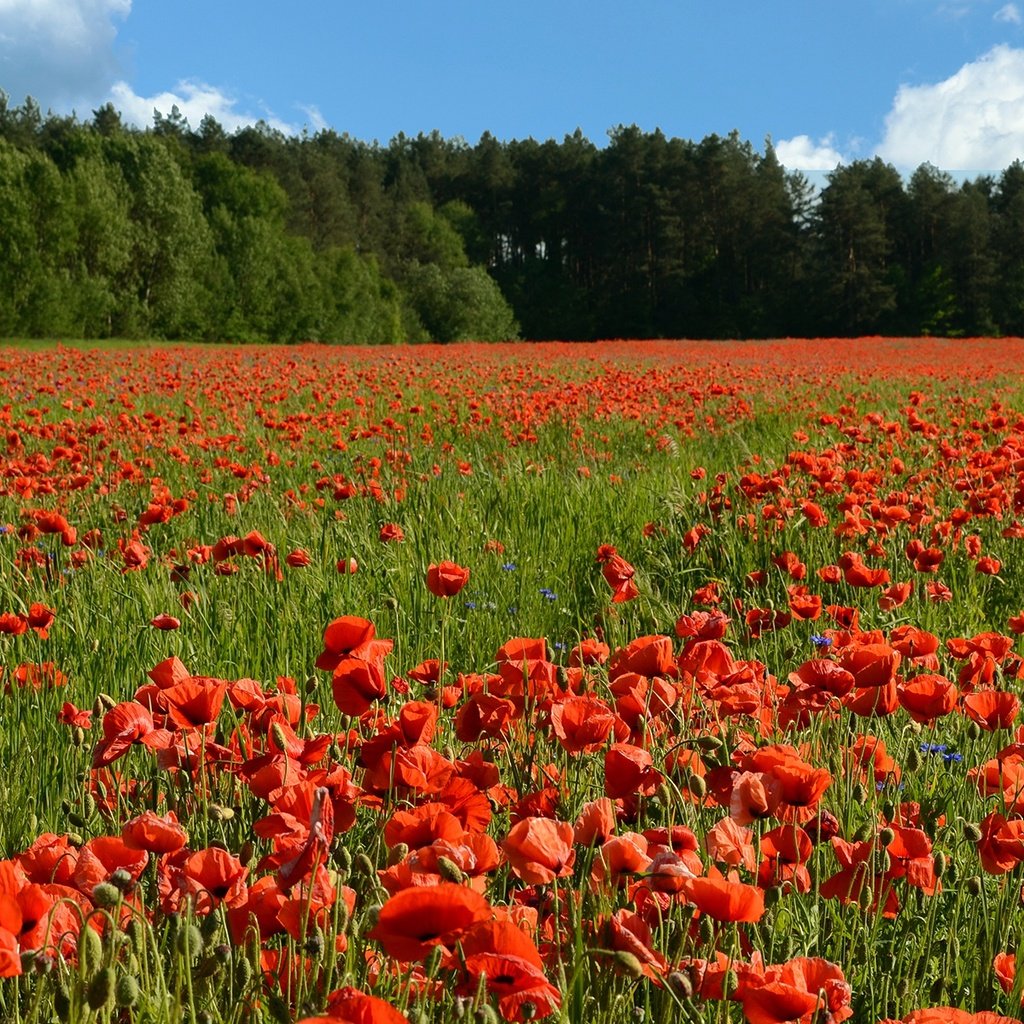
(211, 877)
(725, 899)
(446, 579)
(583, 724)
(40, 618)
(348, 636)
(927, 697)
(991, 709)
(154, 832)
(348, 1004)
(164, 621)
(12, 624)
(298, 559)
(415, 920)
(391, 533)
(540, 850)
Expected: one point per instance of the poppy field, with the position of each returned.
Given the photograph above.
(658, 681)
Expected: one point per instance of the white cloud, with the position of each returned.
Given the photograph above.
(801, 153)
(194, 100)
(1009, 13)
(60, 52)
(63, 53)
(973, 120)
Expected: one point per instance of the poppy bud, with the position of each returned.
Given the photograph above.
(971, 832)
(277, 734)
(433, 961)
(373, 915)
(391, 603)
(315, 943)
(975, 886)
(126, 992)
(362, 865)
(697, 786)
(189, 941)
(974, 731)
(243, 972)
(397, 854)
(706, 929)
(866, 898)
(122, 878)
(100, 992)
(105, 894)
(709, 744)
(77, 820)
(886, 836)
(218, 812)
(628, 963)
(247, 852)
(62, 1002)
(311, 682)
(860, 793)
(208, 967)
(450, 871)
(42, 963)
(681, 984)
(903, 987)
(730, 982)
(772, 895)
(135, 933)
(935, 992)
(210, 928)
(77, 737)
(106, 702)
(912, 762)
(89, 949)
(279, 1009)
(342, 857)
(864, 832)
(939, 864)
(888, 810)
(485, 1014)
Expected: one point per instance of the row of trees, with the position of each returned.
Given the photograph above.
(197, 233)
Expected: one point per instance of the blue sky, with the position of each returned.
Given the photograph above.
(833, 80)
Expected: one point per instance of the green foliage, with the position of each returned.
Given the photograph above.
(199, 233)
(461, 304)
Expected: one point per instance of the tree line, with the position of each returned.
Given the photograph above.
(198, 233)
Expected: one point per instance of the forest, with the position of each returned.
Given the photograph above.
(185, 232)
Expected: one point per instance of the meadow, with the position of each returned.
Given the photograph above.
(654, 681)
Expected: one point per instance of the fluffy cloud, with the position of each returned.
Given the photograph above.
(60, 52)
(194, 100)
(1008, 13)
(801, 153)
(973, 120)
(63, 53)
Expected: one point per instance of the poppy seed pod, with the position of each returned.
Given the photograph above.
(100, 992)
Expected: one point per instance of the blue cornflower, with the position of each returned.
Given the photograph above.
(549, 593)
(821, 641)
(510, 567)
(948, 756)
(471, 605)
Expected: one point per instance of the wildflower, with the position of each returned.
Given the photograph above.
(446, 579)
